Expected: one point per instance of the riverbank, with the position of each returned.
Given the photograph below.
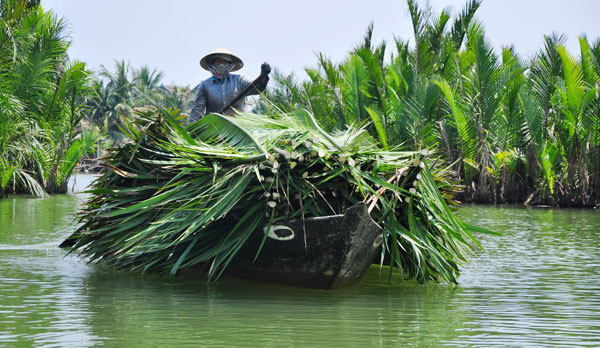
(531, 197)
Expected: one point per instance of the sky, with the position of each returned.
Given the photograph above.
(172, 36)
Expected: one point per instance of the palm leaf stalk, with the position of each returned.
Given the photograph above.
(178, 197)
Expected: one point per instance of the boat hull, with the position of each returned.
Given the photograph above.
(323, 252)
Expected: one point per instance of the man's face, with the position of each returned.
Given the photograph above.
(219, 60)
(220, 67)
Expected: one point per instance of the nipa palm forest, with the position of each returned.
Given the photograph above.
(512, 129)
(410, 130)
(53, 110)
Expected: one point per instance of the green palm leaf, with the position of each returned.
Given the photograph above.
(174, 204)
(215, 128)
(464, 127)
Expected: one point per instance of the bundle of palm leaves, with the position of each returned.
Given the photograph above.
(177, 197)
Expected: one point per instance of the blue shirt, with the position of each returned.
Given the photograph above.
(213, 94)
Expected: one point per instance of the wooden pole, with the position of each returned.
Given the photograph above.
(243, 93)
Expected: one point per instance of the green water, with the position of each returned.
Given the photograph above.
(537, 285)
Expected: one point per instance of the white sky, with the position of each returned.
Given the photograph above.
(172, 36)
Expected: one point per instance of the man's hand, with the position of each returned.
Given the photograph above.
(265, 68)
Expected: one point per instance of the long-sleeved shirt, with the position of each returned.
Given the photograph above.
(213, 94)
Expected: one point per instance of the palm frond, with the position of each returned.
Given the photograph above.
(463, 21)
(465, 128)
(174, 204)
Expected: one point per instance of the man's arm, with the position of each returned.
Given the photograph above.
(265, 69)
(199, 108)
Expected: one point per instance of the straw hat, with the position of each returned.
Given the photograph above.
(223, 53)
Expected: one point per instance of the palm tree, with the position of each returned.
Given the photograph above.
(513, 130)
(178, 98)
(117, 93)
(146, 80)
(41, 94)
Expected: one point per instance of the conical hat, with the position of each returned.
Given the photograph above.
(225, 53)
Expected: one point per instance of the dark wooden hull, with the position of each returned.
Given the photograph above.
(323, 252)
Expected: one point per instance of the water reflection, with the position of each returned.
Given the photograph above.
(239, 313)
(537, 285)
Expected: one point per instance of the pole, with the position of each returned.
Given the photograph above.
(243, 93)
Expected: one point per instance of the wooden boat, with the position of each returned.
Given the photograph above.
(322, 252)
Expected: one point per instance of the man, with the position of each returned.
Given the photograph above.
(217, 91)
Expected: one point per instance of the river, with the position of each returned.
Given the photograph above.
(536, 285)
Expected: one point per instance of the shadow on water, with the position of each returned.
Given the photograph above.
(536, 285)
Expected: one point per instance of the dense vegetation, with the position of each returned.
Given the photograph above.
(52, 109)
(41, 98)
(513, 130)
(116, 93)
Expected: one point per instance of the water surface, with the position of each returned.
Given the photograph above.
(537, 285)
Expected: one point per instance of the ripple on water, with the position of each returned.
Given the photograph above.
(537, 285)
